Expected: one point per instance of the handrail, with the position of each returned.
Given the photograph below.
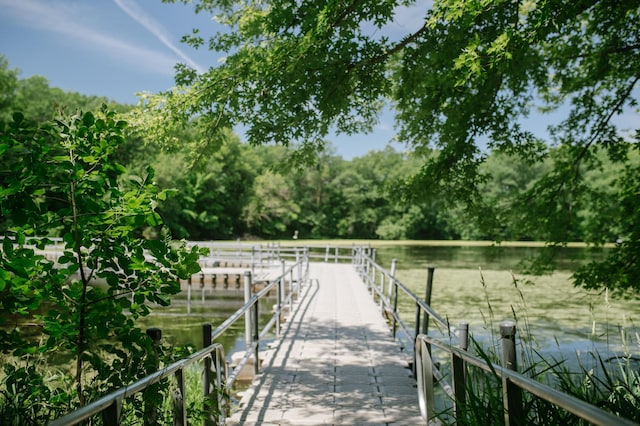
(425, 371)
(212, 354)
(576, 406)
(119, 395)
(364, 261)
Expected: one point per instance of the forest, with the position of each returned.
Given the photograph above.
(123, 185)
(261, 192)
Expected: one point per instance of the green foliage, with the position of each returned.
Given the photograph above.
(59, 179)
(466, 82)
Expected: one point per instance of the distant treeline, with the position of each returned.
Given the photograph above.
(242, 191)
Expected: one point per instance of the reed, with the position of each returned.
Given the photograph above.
(609, 382)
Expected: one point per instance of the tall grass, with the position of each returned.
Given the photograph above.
(611, 382)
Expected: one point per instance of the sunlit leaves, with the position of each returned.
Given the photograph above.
(60, 179)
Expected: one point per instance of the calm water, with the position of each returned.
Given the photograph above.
(547, 315)
(489, 257)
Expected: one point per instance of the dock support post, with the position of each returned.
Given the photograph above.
(511, 394)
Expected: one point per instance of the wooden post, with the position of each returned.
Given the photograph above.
(111, 414)
(459, 371)
(179, 400)
(427, 299)
(511, 394)
(211, 408)
(150, 406)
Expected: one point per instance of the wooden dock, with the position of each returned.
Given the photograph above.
(335, 363)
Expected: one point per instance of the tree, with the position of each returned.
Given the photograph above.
(8, 82)
(58, 179)
(461, 82)
(210, 194)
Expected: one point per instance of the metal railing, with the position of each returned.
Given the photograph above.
(385, 288)
(217, 380)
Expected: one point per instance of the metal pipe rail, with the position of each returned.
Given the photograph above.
(425, 371)
(110, 406)
(217, 381)
(369, 270)
(509, 378)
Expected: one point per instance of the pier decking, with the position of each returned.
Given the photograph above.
(335, 363)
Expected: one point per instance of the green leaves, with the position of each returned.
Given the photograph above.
(60, 179)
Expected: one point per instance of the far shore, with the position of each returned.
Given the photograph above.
(435, 243)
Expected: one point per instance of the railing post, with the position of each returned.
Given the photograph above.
(326, 255)
(247, 315)
(392, 274)
(150, 402)
(416, 333)
(279, 293)
(179, 400)
(111, 414)
(427, 298)
(189, 296)
(211, 408)
(290, 288)
(298, 271)
(395, 307)
(202, 289)
(372, 277)
(511, 394)
(336, 257)
(381, 289)
(459, 372)
(256, 337)
(253, 259)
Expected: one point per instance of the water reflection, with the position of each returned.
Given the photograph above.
(181, 324)
(486, 257)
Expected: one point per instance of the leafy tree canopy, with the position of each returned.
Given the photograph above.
(460, 82)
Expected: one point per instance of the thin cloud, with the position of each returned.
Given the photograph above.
(131, 8)
(66, 20)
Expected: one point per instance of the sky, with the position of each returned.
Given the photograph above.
(117, 48)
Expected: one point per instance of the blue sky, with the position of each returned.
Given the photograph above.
(117, 48)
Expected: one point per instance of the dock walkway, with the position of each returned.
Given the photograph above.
(336, 362)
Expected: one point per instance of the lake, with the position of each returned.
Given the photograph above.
(472, 284)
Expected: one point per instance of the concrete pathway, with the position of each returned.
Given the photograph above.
(336, 362)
